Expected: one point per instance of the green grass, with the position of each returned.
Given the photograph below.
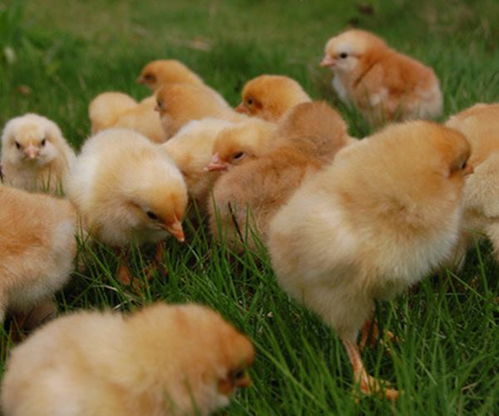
(55, 56)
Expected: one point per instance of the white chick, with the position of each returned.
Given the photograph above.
(165, 360)
(384, 214)
(382, 83)
(37, 248)
(126, 189)
(35, 155)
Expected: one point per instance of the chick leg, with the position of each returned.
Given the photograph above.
(124, 274)
(368, 384)
(157, 264)
(369, 333)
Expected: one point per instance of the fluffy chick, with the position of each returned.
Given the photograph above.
(167, 71)
(35, 155)
(126, 189)
(371, 224)
(178, 104)
(480, 125)
(247, 196)
(37, 248)
(115, 109)
(241, 143)
(165, 360)
(382, 83)
(270, 96)
(191, 149)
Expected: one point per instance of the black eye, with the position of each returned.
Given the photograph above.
(238, 155)
(249, 101)
(43, 142)
(343, 55)
(18, 145)
(149, 77)
(237, 374)
(152, 215)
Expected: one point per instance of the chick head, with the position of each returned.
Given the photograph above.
(344, 52)
(31, 140)
(270, 96)
(166, 71)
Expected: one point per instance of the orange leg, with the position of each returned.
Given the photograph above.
(368, 384)
(157, 263)
(124, 274)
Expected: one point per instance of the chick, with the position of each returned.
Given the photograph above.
(480, 125)
(371, 224)
(167, 71)
(241, 143)
(270, 96)
(382, 83)
(165, 360)
(178, 104)
(115, 109)
(191, 149)
(35, 155)
(127, 190)
(247, 196)
(37, 248)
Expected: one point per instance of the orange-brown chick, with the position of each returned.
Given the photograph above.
(384, 214)
(164, 360)
(270, 96)
(37, 248)
(167, 71)
(382, 83)
(178, 104)
(247, 196)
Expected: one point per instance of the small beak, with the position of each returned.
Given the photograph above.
(468, 170)
(244, 382)
(216, 164)
(227, 386)
(328, 61)
(176, 230)
(31, 152)
(141, 80)
(157, 108)
(241, 108)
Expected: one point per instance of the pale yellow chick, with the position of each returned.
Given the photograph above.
(270, 96)
(167, 71)
(115, 109)
(480, 125)
(378, 219)
(380, 82)
(164, 360)
(35, 155)
(37, 248)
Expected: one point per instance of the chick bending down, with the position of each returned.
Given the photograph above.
(37, 249)
(127, 190)
(35, 155)
(376, 221)
(165, 360)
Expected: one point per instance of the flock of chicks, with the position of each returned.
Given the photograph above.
(345, 221)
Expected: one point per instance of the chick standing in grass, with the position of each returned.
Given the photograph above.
(178, 104)
(127, 190)
(480, 125)
(382, 83)
(37, 248)
(247, 196)
(377, 220)
(165, 360)
(270, 96)
(35, 155)
(167, 71)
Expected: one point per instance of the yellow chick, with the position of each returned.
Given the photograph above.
(115, 109)
(164, 360)
(167, 71)
(384, 214)
(241, 143)
(37, 248)
(480, 125)
(126, 189)
(191, 149)
(35, 155)
(380, 82)
(270, 96)
(178, 104)
(246, 197)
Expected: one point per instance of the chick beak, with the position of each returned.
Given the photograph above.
(216, 164)
(175, 229)
(141, 80)
(328, 61)
(227, 386)
(468, 170)
(31, 152)
(241, 108)
(244, 382)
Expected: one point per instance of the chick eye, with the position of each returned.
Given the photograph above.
(249, 101)
(152, 215)
(237, 374)
(149, 77)
(238, 155)
(343, 55)
(18, 145)
(43, 142)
